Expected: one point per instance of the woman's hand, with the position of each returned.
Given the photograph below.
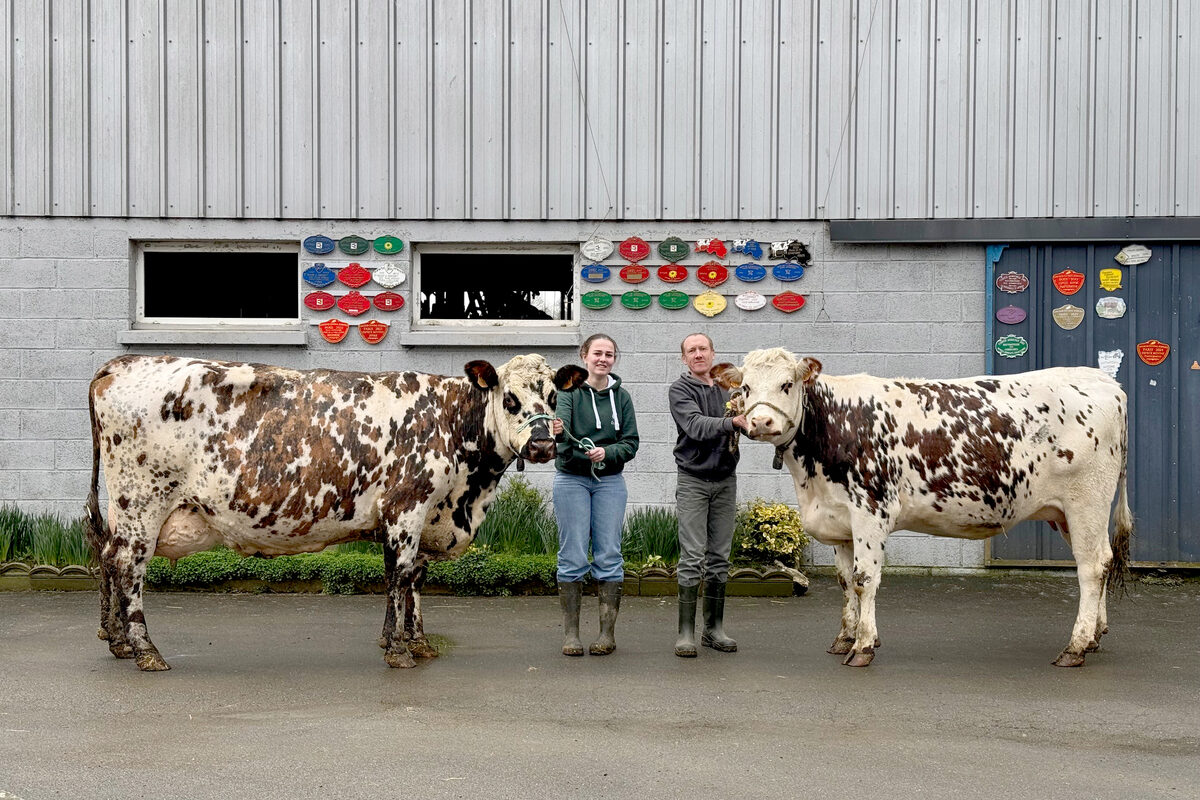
(556, 427)
(596, 454)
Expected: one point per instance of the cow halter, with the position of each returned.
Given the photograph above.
(584, 444)
(777, 460)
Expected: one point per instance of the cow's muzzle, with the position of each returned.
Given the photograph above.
(539, 451)
(763, 427)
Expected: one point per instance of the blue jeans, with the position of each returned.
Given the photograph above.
(590, 512)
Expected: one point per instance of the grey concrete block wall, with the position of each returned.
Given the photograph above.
(66, 294)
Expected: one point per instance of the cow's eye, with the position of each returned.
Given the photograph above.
(787, 387)
(511, 404)
(553, 399)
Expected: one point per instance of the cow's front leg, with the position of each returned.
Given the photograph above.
(389, 575)
(1093, 555)
(414, 623)
(403, 538)
(869, 537)
(843, 559)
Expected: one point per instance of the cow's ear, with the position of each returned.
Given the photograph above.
(726, 375)
(807, 370)
(570, 376)
(482, 374)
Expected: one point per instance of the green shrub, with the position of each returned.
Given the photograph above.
(485, 572)
(651, 535)
(767, 531)
(372, 548)
(519, 521)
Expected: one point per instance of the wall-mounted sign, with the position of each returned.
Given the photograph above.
(1110, 279)
(749, 247)
(714, 247)
(634, 249)
(1067, 316)
(353, 275)
(388, 245)
(1153, 352)
(709, 303)
(673, 300)
(373, 331)
(1110, 361)
(334, 330)
(1012, 282)
(1068, 281)
(1132, 255)
(792, 250)
(787, 302)
(787, 272)
(596, 249)
(389, 276)
(596, 300)
(1011, 315)
(750, 273)
(634, 273)
(353, 245)
(712, 274)
(319, 275)
(673, 249)
(319, 245)
(1012, 346)
(319, 301)
(353, 303)
(672, 273)
(635, 299)
(1110, 307)
(750, 301)
(595, 273)
(388, 301)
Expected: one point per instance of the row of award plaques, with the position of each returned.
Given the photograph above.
(708, 303)
(710, 274)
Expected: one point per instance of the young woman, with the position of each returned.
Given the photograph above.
(596, 435)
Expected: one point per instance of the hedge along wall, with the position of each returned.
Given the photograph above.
(907, 310)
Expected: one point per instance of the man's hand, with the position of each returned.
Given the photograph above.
(740, 422)
(556, 427)
(596, 454)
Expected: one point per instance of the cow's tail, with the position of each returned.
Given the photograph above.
(94, 522)
(1118, 570)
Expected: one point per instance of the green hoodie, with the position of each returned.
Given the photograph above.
(578, 409)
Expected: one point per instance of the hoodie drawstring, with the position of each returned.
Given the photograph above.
(596, 412)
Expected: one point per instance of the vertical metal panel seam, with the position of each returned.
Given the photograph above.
(1090, 161)
(315, 46)
(430, 116)
(124, 171)
(48, 109)
(972, 109)
(1177, 381)
(468, 176)
(893, 68)
(773, 206)
(85, 125)
(1173, 127)
(1052, 117)
(163, 142)
(239, 111)
(735, 139)
(544, 106)
(506, 137)
(201, 114)
(277, 89)
(1131, 164)
(698, 110)
(392, 107)
(1011, 148)
(355, 210)
(931, 115)
(617, 203)
(582, 79)
(660, 33)
(11, 173)
(814, 103)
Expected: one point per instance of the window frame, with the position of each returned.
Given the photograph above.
(142, 322)
(420, 323)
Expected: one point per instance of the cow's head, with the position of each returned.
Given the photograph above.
(523, 391)
(772, 383)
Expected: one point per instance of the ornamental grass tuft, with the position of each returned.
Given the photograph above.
(519, 521)
(13, 524)
(651, 535)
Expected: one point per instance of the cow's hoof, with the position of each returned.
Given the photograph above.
(840, 647)
(152, 662)
(382, 642)
(575, 649)
(1068, 659)
(421, 648)
(102, 634)
(1093, 646)
(860, 659)
(121, 649)
(399, 659)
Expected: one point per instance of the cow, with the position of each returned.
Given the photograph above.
(270, 461)
(967, 458)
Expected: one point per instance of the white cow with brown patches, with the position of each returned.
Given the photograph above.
(965, 458)
(270, 461)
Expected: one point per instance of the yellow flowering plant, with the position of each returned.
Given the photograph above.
(767, 531)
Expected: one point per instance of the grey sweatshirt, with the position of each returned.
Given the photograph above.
(702, 446)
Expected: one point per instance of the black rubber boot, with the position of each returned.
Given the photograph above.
(685, 645)
(714, 619)
(609, 593)
(570, 595)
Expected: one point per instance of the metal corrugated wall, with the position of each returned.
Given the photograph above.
(709, 109)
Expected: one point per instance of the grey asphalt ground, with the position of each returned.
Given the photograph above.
(287, 696)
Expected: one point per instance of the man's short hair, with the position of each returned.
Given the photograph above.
(711, 346)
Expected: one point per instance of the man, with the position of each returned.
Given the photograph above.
(705, 494)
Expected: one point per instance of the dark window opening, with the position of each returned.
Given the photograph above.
(500, 286)
(220, 284)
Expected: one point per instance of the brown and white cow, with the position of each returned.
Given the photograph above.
(270, 461)
(965, 458)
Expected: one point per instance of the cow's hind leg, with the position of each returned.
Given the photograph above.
(1088, 536)
(126, 555)
(414, 623)
(843, 558)
(868, 570)
(389, 575)
(403, 537)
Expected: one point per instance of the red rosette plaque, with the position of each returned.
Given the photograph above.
(389, 301)
(354, 304)
(1153, 352)
(712, 274)
(634, 273)
(1068, 281)
(373, 331)
(672, 273)
(334, 330)
(353, 275)
(634, 249)
(787, 302)
(319, 301)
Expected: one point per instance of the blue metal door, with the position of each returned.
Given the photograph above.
(1164, 401)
